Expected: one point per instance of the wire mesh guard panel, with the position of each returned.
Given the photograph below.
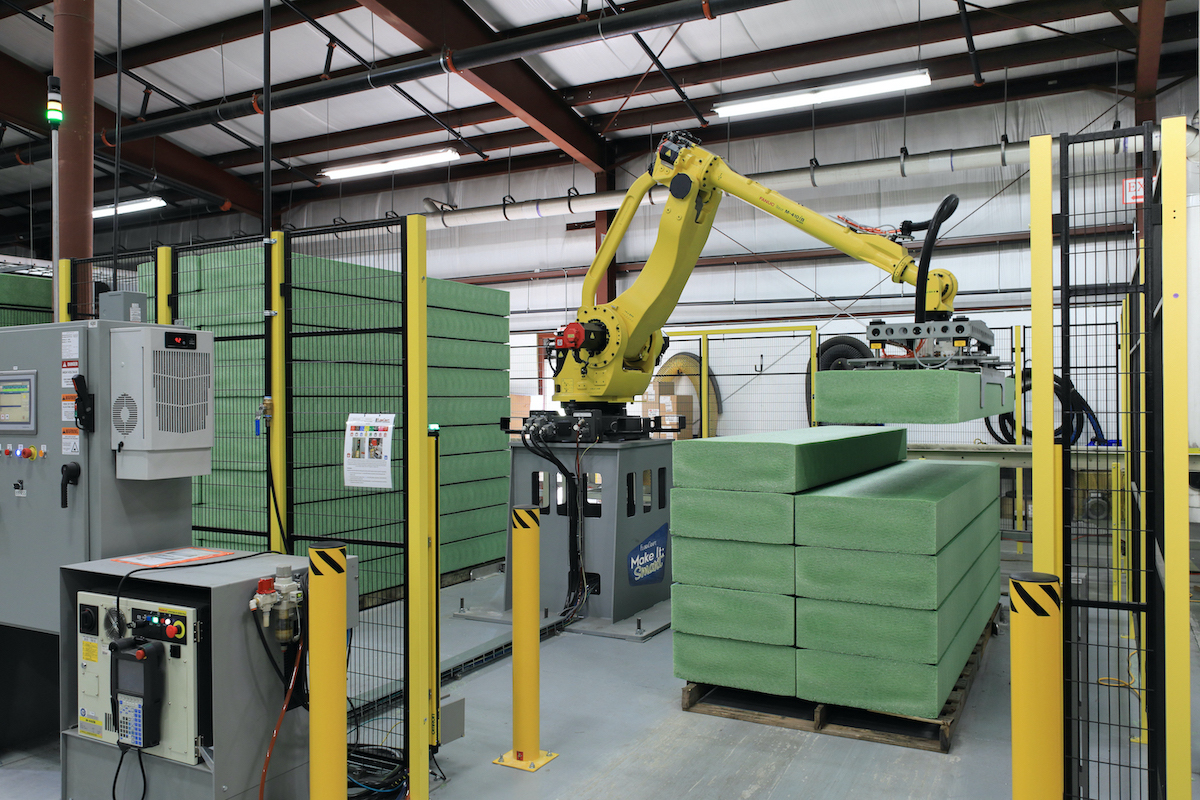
(345, 354)
(1105, 555)
(220, 288)
(131, 271)
(759, 382)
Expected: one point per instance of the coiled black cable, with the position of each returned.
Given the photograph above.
(1079, 414)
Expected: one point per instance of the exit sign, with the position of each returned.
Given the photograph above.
(1133, 191)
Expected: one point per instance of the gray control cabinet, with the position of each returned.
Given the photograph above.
(104, 516)
(236, 695)
(626, 536)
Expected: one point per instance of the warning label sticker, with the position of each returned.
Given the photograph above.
(70, 441)
(166, 558)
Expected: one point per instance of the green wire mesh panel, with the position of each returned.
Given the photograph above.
(25, 300)
(219, 288)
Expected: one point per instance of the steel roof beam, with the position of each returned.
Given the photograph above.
(871, 42)
(513, 84)
(1149, 48)
(1035, 52)
(224, 32)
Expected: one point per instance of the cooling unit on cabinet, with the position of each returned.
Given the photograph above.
(162, 402)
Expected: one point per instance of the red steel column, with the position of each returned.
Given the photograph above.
(75, 65)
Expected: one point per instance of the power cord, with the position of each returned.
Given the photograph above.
(120, 762)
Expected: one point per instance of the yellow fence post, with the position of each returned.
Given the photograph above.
(419, 523)
(1175, 556)
(163, 286)
(526, 754)
(435, 582)
(1047, 502)
(1036, 676)
(276, 404)
(327, 670)
(63, 294)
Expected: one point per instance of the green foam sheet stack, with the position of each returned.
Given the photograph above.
(848, 397)
(24, 300)
(336, 375)
(733, 605)
(897, 571)
(859, 579)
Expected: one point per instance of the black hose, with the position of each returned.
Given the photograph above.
(944, 211)
(1079, 414)
(575, 579)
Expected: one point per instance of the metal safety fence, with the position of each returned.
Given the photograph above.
(1118, 533)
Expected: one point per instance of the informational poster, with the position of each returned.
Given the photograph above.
(367, 455)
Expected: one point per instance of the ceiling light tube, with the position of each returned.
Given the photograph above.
(142, 204)
(824, 94)
(443, 155)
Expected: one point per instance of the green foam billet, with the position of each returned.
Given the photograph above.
(25, 290)
(739, 516)
(903, 580)
(753, 666)
(855, 396)
(785, 461)
(732, 614)
(903, 634)
(749, 566)
(911, 507)
(884, 684)
(472, 552)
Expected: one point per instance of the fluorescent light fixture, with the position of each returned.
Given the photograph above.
(441, 156)
(824, 94)
(142, 204)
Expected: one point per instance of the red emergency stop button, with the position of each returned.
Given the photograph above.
(172, 632)
(140, 655)
(27, 452)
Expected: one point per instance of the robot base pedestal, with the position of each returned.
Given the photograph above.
(625, 532)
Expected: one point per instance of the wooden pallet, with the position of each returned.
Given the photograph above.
(852, 723)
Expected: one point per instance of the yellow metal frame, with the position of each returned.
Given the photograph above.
(65, 275)
(705, 333)
(1178, 733)
(420, 724)
(162, 286)
(1047, 456)
(277, 403)
(435, 582)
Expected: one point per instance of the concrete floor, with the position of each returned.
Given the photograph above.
(611, 709)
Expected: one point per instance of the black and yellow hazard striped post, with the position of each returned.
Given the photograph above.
(526, 754)
(327, 670)
(1036, 655)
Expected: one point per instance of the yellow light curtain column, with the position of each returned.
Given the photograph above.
(1175, 458)
(1047, 499)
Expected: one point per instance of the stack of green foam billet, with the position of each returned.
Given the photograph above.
(24, 300)
(346, 356)
(897, 571)
(733, 606)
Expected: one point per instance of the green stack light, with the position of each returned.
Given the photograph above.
(54, 106)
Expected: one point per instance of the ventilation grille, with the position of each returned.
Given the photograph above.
(125, 415)
(182, 386)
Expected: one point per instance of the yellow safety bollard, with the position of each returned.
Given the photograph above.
(1036, 659)
(327, 670)
(526, 754)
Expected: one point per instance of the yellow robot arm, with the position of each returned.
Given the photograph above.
(609, 353)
